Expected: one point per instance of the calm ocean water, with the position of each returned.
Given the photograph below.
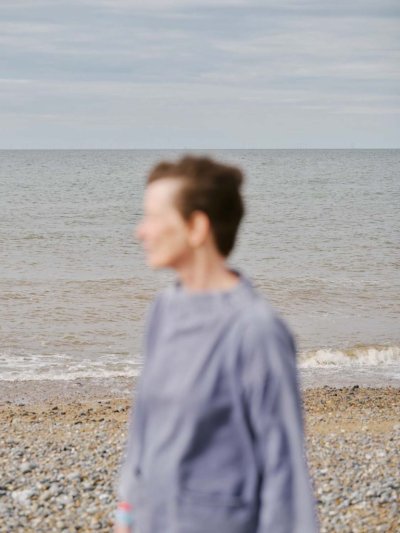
(321, 240)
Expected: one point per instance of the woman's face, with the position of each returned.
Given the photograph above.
(163, 231)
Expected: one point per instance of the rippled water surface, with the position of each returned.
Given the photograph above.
(321, 240)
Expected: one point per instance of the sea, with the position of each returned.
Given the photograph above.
(320, 240)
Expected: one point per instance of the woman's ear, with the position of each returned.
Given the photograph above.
(199, 228)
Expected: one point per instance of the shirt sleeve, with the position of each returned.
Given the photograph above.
(131, 460)
(272, 398)
(126, 484)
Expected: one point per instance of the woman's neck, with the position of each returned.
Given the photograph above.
(207, 272)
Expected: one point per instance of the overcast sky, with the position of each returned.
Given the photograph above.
(199, 74)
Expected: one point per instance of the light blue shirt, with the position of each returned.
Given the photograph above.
(216, 440)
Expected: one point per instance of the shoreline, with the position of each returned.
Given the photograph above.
(65, 391)
(95, 388)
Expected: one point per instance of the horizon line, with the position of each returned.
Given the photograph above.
(200, 149)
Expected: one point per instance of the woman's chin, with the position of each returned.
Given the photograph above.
(155, 263)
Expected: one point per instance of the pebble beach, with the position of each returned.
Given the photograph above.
(62, 444)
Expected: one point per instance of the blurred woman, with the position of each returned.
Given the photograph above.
(215, 442)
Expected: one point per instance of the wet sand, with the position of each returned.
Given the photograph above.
(62, 443)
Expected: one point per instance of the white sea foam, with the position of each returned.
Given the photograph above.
(353, 357)
(104, 373)
(63, 367)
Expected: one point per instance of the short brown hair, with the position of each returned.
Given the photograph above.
(210, 187)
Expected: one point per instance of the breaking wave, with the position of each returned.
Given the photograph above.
(356, 356)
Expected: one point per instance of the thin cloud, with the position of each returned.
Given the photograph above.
(110, 62)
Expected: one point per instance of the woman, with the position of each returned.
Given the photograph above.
(216, 440)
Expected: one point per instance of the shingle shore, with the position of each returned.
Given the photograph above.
(60, 456)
